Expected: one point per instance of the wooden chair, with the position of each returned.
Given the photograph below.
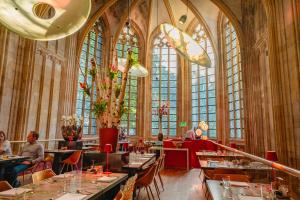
(146, 180)
(233, 177)
(4, 185)
(127, 192)
(72, 160)
(41, 175)
(48, 159)
(30, 170)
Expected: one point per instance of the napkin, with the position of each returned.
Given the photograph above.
(14, 192)
(106, 179)
(71, 196)
(244, 197)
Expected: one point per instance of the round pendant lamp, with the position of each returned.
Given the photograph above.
(185, 45)
(44, 19)
(138, 71)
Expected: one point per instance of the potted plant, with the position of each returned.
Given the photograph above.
(71, 128)
(109, 104)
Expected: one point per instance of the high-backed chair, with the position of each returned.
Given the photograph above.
(71, 161)
(41, 175)
(4, 185)
(127, 192)
(146, 180)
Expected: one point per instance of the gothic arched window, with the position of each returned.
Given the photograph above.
(234, 81)
(128, 39)
(204, 86)
(92, 48)
(164, 84)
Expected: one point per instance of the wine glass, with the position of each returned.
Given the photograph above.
(226, 182)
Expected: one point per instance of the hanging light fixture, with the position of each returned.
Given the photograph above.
(44, 19)
(185, 45)
(138, 71)
(183, 18)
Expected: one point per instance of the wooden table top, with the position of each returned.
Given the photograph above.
(209, 164)
(75, 183)
(59, 150)
(218, 192)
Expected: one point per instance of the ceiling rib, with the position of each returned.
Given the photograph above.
(169, 9)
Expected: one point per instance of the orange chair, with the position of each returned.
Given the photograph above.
(48, 159)
(4, 185)
(41, 175)
(146, 180)
(233, 177)
(72, 160)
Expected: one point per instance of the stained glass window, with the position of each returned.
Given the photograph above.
(128, 39)
(164, 84)
(204, 86)
(92, 48)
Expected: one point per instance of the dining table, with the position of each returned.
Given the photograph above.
(10, 160)
(238, 190)
(212, 164)
(138, 162)
(204, 155)
(76, 185)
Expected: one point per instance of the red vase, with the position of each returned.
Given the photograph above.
(108, 136)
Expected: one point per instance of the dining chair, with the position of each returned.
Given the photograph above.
(4, 185)
(127, 192)
(30, 170)
(41, 175)
(71, 161)
(146, 180)
(48, 159)
(160, 167)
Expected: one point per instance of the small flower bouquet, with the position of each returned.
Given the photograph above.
(71, 128)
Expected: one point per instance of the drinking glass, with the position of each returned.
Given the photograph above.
(226, 182)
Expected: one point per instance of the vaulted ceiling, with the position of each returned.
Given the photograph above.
(148, 14)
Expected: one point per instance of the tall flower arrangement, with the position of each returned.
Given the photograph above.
(162, 110)
(109, 104)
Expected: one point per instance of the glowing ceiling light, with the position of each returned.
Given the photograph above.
(185, 45)
(44, 19)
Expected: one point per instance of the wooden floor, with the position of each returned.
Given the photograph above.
(179, 185)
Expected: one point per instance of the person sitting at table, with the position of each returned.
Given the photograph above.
(190, 135)
(4, 145)
(32, 149)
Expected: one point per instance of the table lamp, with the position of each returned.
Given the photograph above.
(271, 156)
(233, 145)
(107, 149)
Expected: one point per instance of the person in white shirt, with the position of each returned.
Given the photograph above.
(4, 145)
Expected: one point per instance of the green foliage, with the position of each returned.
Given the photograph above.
(134, 59)
(99, 108)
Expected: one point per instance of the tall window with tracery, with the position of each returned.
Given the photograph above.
(164, 84)
(204, 86)
(92, 48)
(234, 81)
(128, 39)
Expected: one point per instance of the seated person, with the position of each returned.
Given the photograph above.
(32, 149)
(4, 145)
(190, 135)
